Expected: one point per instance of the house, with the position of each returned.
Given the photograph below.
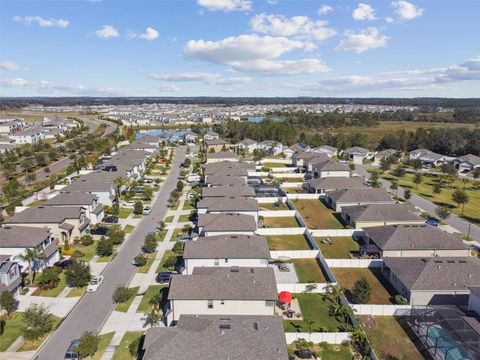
(11, 126)
(299, 147)
(298, 159)
(64, 222)
(226, 251)
(362, 216)
(221, 156)
(330, 151)
(288, 153)
(190, 137)
(10, 275)
(228, 204)
(385, 154)
(105, 191)
(215, 145)
(213, 337)
(271, 147)
(357, 154)
(474, 299)
(331, 167)
(27, 136)
(225, 180)
(414, 241)
(211, 135)
(222, 191)
(467, 163)
(93, 209)
(322, 185)
(310, 163)
(222, 291)
(434, 280)
(347, 197)
(228, 167)
(15, 240)
(427, 157)
(226, 223)
(248, 145)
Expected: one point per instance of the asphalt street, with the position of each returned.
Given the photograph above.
(94, 308)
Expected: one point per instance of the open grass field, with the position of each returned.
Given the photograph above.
(309, 271)
(340, 247)
(280, 222)
(123, 307)
(390, 340)
(123, 352)
(317, 215)
(288, 242)
(382, 291)
(144, 305)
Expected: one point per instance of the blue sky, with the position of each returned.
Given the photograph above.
(240, 48)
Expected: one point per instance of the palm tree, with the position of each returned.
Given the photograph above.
(30, 256)
(152, 318)
(156, 301)
(334, 293)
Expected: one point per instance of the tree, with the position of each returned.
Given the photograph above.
(150, 243)
(416, 164)
(407, 194)
(476, 173)
(334, 293)
(398, 172)
(30, 256)
(88, 344)
(361, 291)
(116, 234)
(442, 212)
(417, 179)
(385, 164)
(104, 247)
(7, 301)
(37, 322)
(157, 300)
(140, 260)
(394, 186)
(78, 274)
(86, 240)
(122, 294)
(374, 179)
(152, 318)
(138, 207)
(179, 186)
(436, 188)
(460, 197)
(30, 177)
(48, 279)
(148, 192)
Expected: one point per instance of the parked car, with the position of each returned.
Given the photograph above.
(135, 262)
(71, 353)
(432, 222)
(184, 238)
(129, 204)
(100, 230)
(139, 190)
(164, 277)
(147, 181)
(110, 219)
(65, 263)
(147, 210)
(95, 283)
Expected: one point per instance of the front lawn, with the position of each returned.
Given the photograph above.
(280, 222)
(102, 346)
(273, 206)
(123, 351)
(187, 205)
(309, 271)
(52, 292)
(124, 212)
(340, 247)
(315, 308)
(163, 266)
(128, 228)
(317, 215)
(123, 307)
(77, 292)
(144, 305)
(184, 218)
(12, 330)
(382, 291)
(288, 242)
(30, 345)
(87, 252)
(390, 340)
(150, 259)
(169, 219)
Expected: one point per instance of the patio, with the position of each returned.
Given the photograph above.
(291, 312)
(285, 273)
(317, 215)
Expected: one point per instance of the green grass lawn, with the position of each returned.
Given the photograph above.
(166, 255)
(339, 248)
(294, 190)
(272, 165)
(317, 215)
(169, 219)
(137, 216)
(128, 228)
(151, 291)
(123, 307)
(12, 330)
(77, 292)
(390, 340)
(291, 179)
(382, 291)
(109, 258)
(87, 251)
(176, 233)
(150, 259)
(184, 218)
(309, 271)
(271, 207)
(161, 235)
(52, 292)
(288, 242)
(280, 222)
(102, 346)
(327, 351)
(316, 308)
(123, 351)
(124, 212)
(30, 345)
(187, 205)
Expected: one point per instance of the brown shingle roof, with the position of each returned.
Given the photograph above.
(22, 236)
(381, 212)
(227, 222)
(360, 195)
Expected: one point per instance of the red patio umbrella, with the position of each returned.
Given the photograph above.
(285, 297)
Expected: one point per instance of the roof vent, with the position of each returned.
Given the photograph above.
(255, 325)
(234, 269)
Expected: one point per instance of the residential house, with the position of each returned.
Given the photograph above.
(221, 156)
(467, 163)
(474, 300)
(347, 197)
(211, 135)
(298, 159)
(226, 223)
(221, 179)
(228, 204)
(248, 145)
(362, 216)
(93, 209)
(310, 163)
(215, 145)
(222, 191)
(299, 147)
(271, 147)
(11, 126)
(190, 137)
(385, 154)
(226, 251)
(223, 291)
(27, 136)
(434, 280)
(322, 185)
(213, 337)
(427, 157)
(357, 154)
(10, 274)
(105, 191)
(331, 168)
(413, 241)
(330, 151)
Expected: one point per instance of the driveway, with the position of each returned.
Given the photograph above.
(94, 308)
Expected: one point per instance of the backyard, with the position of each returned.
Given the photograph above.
(273, 206)
(324, 351)
(317, 215)
(338, 247)
(288, 242)
(309, 271)
(382, 292)
(280, 222)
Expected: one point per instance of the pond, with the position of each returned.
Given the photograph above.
(262, 118)
(157, 132)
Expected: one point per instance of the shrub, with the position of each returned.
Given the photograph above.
(122, 294)
(37, 322)
(7, 302)
(116, 234)
(78, 274)
(361, 291)
(140, 260)
(88, 344)
(400, 300)
(104, 247)
(138, 207)
(86, 240)
(178, 247)
(48, 279)
(170, 262)
(150, 243)
(134, 347)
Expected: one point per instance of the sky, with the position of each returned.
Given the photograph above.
(240, 48)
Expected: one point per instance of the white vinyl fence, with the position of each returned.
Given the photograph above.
(335, 232)
(280, 231)
(302, 287)
(289, 184)
(269, 200)
(379, 310)
(316, 337)
(303, 196)
(277, 213)
(294, 254)
(277, 161)
(354, 263)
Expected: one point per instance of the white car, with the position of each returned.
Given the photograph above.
(94, 284)
(147, 210)
(130, 204)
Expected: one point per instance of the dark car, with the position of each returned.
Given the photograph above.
(71, 353)
(164, 277)
(101, 230)
(64, 263)
(110, 219)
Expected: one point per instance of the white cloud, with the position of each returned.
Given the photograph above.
(149, 34)
(406, 10)
(28, 20)
(9, 65)
(168, 88)
(106, 32)
(389, 19)
(325, 9)
(15, 82)
(364, 12)
(300, 26)
(255, 54)
(272, 2)
(359, 42)
(206, 77)
(226, 5)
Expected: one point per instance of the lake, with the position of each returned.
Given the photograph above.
(263, 118)
(156, 132)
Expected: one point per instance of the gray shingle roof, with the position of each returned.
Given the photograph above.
(470, 158)
(436, 273)
(87, 185)
(214, 142)
(230, 203)
(223, 283)
(211, 337)
(331, 165)
(75, 198)
(227, 190)
(381, 212)
(47, 214)
(229, 167)
(222, 155)
(336, 182)
(356, 149)
(22, 236)
(360, 195)
(228, 246)
(247, 142)
(225, 179)
(227, 222)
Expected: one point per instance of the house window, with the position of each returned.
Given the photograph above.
(210, 304)
(226, 261)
